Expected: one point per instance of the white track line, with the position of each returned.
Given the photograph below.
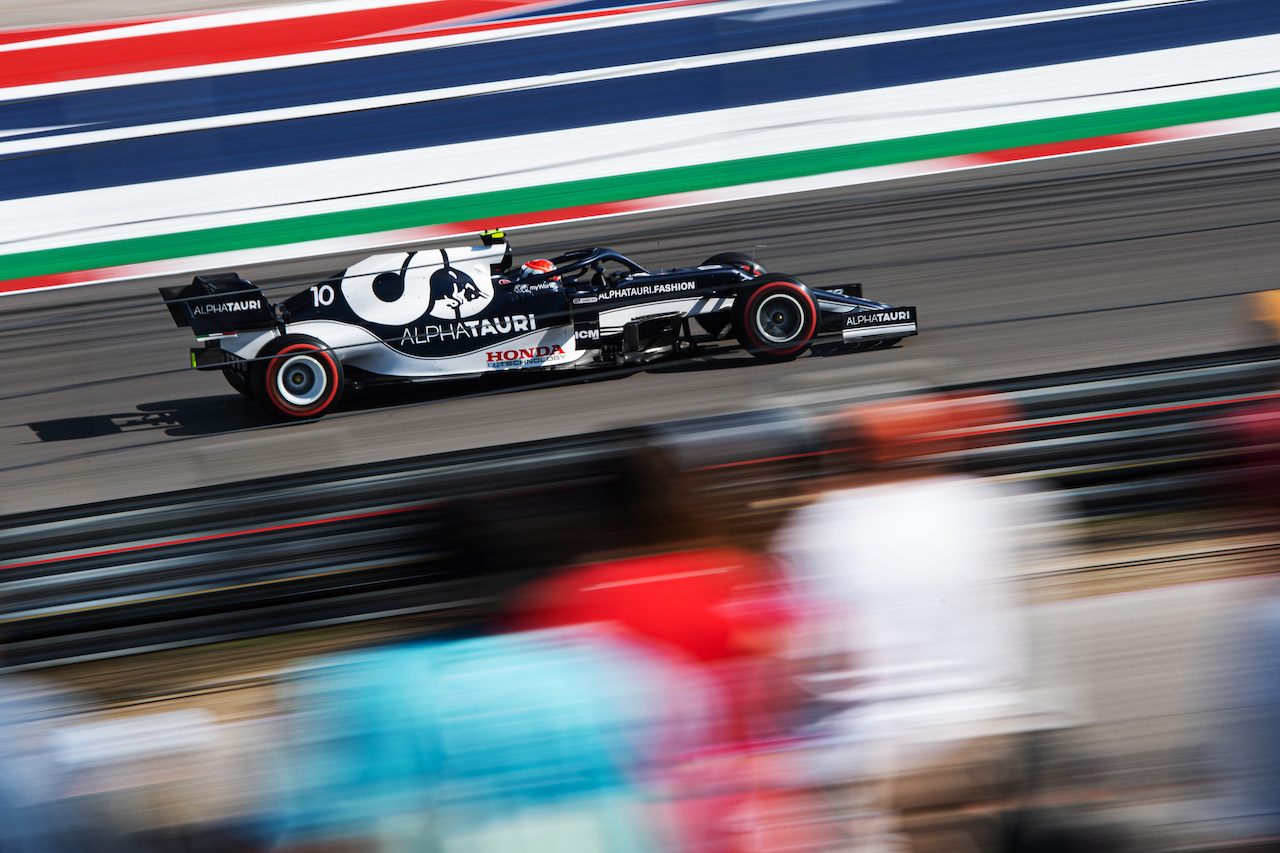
(577, 25)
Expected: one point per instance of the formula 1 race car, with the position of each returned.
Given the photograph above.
(450, 313)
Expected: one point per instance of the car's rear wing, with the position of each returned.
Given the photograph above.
(219, 306)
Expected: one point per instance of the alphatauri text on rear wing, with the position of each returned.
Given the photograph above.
(219, 306)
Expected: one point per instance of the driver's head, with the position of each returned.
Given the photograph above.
(539, 267)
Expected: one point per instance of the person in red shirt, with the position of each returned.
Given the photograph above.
(666, 581)
(665, 577)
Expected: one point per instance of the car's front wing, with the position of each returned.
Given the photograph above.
(879, 325)
(858, 319)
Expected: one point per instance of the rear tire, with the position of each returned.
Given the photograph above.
(297, 377)
(776, 321)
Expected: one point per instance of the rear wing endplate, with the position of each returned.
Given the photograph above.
(219, 306)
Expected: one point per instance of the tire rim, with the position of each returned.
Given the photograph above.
(302, 381)
(780, 318)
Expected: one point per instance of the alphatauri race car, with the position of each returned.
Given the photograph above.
(450, 313)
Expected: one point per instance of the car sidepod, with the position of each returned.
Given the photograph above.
(437, 313)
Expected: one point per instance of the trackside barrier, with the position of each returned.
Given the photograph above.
(433, 532)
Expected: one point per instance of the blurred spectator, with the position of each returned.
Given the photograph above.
(1252, 454)
(1243, 744)
(546, 740)
(915, 647)
(667, 580)
(616, 714)
(39, 812)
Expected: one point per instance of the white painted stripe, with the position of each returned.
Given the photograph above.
(96, 137)
(612, 319)
(881, 331)
(384, 240)
(22, 130)
(212, 20)
(587, 25)
(362, 104)
(295, 11)
(881, 174)
(630, 147)
(360, 347)
(518, 30)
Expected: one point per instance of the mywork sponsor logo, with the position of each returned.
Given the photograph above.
(225, 307)
(546, 287)
(528, 357)
(649, 290)
(468, 329)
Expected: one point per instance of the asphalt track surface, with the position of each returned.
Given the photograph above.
(1071, 263)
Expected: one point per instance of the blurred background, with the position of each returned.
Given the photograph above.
(1007, 585)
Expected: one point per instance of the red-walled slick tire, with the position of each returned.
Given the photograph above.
(297, 377)
(777, 319)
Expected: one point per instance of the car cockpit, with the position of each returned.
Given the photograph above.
(594, 268)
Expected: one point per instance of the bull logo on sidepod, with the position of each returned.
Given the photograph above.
(456, 295)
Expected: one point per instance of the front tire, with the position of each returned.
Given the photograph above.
(777, 320)
(297, 377)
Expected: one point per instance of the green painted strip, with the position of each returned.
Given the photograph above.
(496, 206)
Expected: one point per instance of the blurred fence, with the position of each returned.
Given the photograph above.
(453, 530)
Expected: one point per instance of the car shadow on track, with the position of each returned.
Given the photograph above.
(828, 349)
(195, 416)
(705, 361)
(731, 357)
(224, 413)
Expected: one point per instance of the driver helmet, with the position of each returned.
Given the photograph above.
(539, 266)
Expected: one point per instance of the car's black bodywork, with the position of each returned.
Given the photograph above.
(446, 313)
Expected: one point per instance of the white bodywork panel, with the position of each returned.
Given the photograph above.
(613, 319)
(361, 348)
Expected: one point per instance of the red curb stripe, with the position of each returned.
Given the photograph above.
(262, 39)
(1057, 149)
(517, 21)
(945, 164)
(130, 55)
(77, 277)
(16, 36)
(57, 280)
(214, 536)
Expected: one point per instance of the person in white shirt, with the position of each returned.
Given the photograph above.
(914, 648)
